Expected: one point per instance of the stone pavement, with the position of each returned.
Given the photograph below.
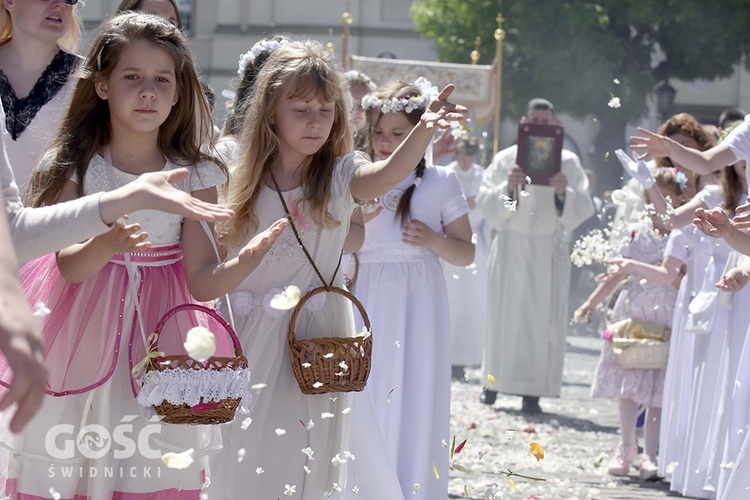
(576, 432)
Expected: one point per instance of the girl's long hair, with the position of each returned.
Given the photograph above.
(306, 69)
(69, 41)
(86, 129)
(400, 89)
(731, 189)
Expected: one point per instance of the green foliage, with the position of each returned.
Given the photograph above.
(570, 51)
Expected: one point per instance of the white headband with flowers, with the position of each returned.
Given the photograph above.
(427, 93)
(357, 76)
(265, 45)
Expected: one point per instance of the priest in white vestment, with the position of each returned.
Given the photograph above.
(529, 270)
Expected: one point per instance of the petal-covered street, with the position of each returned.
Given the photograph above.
(577, 434)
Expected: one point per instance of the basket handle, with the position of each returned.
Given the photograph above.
(321, 289)
(210, 312)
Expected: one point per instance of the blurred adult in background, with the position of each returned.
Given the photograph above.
(529, 269)
(38, 40)
(163, 8)
(467, 286)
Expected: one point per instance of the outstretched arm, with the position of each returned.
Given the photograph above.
(20, 340)
(652, 145)
(375, 179)
(716, 223)
(669, 273)
(207, 276)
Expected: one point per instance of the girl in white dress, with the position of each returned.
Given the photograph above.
(296, 151)
(133, 112)
(37, 61)
(422, 219)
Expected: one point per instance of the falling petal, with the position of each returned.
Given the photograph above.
(259, 471)
(525, 193)
(460, 468)
(536, 450)
(310, 424)
(257, 387)
(416, 487)
(306, 469)
(398, 344)
(614, 103)
(328, 356)
(435, 471)
(455, 276)
(474, 238)
(286, 299)
(512, 484)
(309, 452)
(356, 490)
(325, 414)
(616, 81)
(491, 378)
(460, 446)
(54, 494)
(318, 385)
(306, 365)
(246, 423)
(606, 156)
(280, 432)
(241, 454)
(41, 310)
(178, 460)
(200, 343)
(528, 180)
(510, 206)
(290, 490)
(346, 410)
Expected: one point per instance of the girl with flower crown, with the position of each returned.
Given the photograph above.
(297, 162)
(410, 228)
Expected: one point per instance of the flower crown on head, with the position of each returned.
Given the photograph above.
(427, 93)
(353, 76)
(266, 45)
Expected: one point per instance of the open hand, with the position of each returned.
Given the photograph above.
(734, 279)
(154, 190)
(371, 209)
(443, 146)
(651, 145)
(441, 112)
(616, 268)
(713, 222)
(252, 253)
(636, 167)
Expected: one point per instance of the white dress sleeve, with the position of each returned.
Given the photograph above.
(738, 140)
(346, 167)
(206, 175)
(678, 245)
(454, 202)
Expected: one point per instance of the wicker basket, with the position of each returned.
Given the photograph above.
(204, 413)
(642, 354)
(318, 372)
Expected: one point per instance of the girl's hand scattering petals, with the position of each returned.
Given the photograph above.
(714, 222)
(651, 145)
(735, 279)
(262, 242)
(441, 112)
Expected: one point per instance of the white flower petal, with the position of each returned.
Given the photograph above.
(200, 343)
(178, 460)
(286, 299)
(280, 432)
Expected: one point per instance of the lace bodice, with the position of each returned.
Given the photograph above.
(163, 228)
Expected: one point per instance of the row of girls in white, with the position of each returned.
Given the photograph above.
(132, 112)
(704, 412)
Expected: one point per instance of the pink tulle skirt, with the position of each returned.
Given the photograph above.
(92, 338)
(87, 322)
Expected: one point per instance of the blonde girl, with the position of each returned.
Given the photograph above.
(297, 163)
